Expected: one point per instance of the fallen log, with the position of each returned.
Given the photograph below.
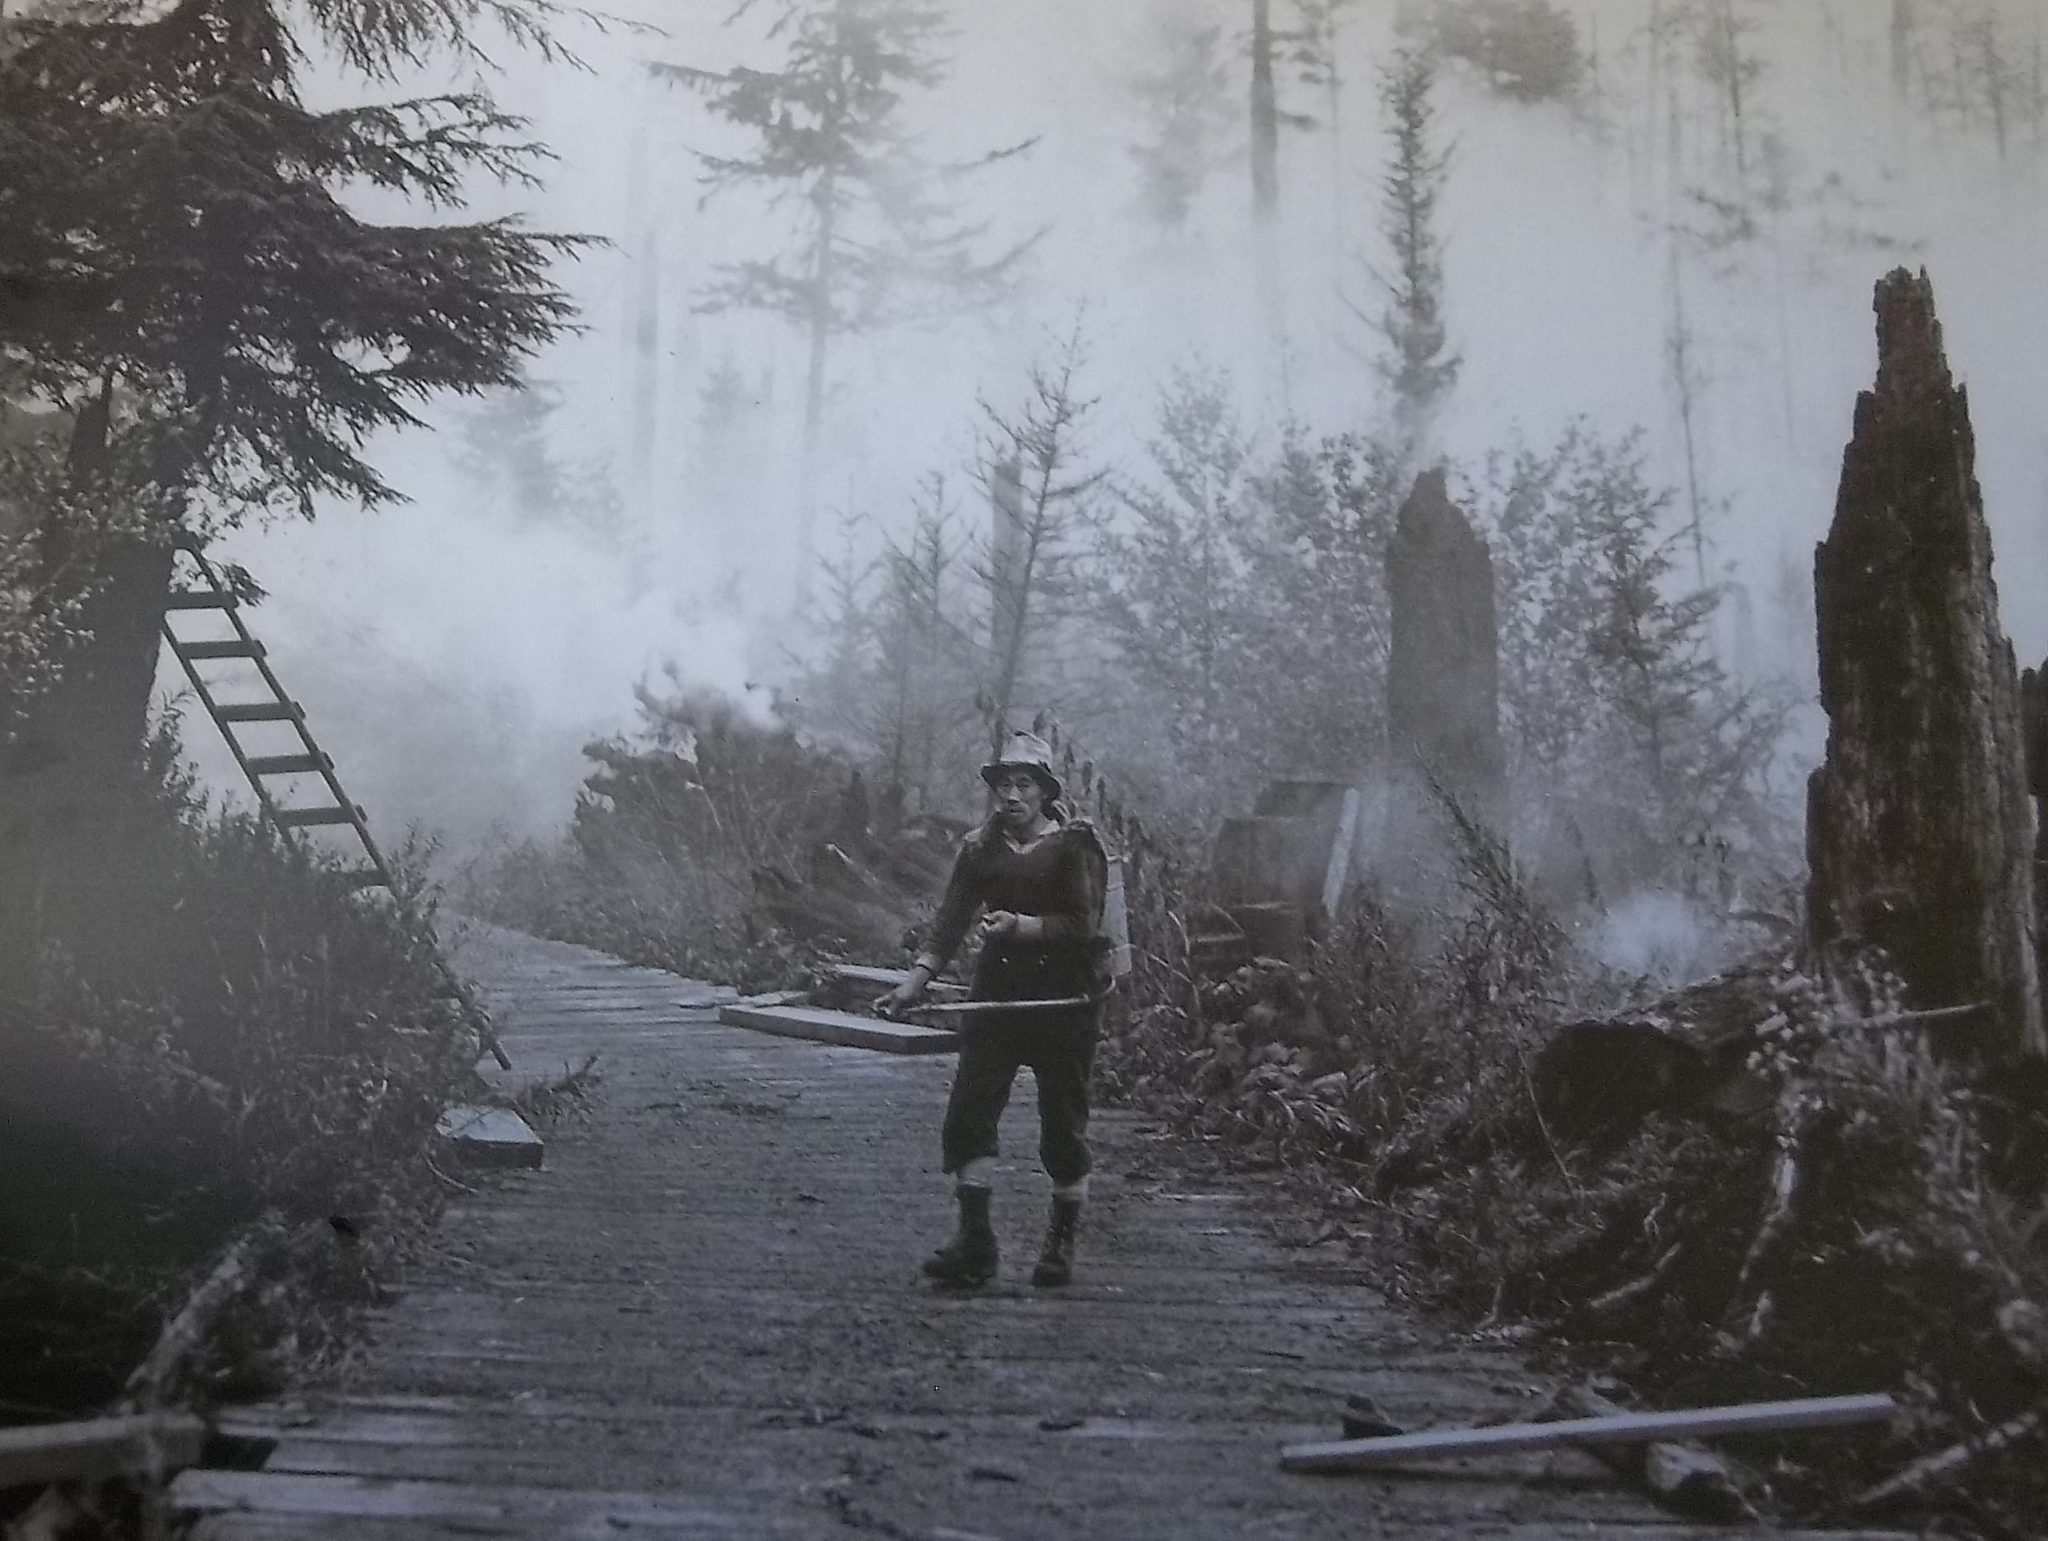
(184, 1337)
(1683, 1475)
(1681, 1052)
(1944, 1465)
(185, 1333)
(94, 1449)
(1626, 1294)
(1349, 1455)
(1688, 1053)
(1788, 1174)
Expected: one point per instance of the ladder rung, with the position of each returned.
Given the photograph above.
(200, 599)
(294, 818)
(259, 711)
(288, 764)
(232, 648)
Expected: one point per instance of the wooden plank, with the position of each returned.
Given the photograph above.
(95, 1449)
(289, 764)
(865, 974)
(235, 647)
(1628, 1428)
(841, 1028)
(298, 818)
(758, 1525)
(490, 1136)
(259, 711)
(446, 1503)
(1338, 874)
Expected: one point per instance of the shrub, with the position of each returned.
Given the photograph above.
(243, 1034)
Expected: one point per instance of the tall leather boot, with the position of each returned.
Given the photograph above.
(970, 1257)
(1056, 1262)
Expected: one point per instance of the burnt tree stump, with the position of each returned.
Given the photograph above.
(1443, 668)
(2034, 718)
(1918, 821)
(1443, 697)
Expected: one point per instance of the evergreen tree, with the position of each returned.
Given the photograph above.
(1527, 50)
(1417, 363)
(218, 330)
(1321, 519)
(504, 445)
(1614, 710)
(927, 697)
(877, 242)
(1721, 33)
(1170, 581)
(1042, 515)
(1185, 104)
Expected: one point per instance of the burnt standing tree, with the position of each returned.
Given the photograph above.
(1443, 664)
(219, 333)
(1918, 827)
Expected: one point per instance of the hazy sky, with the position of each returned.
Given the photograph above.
(456, 660)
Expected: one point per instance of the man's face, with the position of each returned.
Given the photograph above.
(1018, 796)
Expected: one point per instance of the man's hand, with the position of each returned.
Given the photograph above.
(999, 925)
(904, 996)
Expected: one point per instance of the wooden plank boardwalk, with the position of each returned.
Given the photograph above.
(703, 1317)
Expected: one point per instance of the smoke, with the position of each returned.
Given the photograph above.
(455, 664)
(1662, 936)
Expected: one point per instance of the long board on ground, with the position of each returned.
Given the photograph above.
(842, 1028)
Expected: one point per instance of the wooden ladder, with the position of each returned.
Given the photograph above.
(210, 593)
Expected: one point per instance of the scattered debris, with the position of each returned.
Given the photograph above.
(1682, 1475)
(1944, 1466)
(543, 1102)
(1364, 1420)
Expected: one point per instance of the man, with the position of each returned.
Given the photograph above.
(1038, 876)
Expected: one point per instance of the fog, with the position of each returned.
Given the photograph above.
(453, 654)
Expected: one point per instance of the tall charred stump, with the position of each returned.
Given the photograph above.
(1443, 676)
(1918, 824)
(1443, 668)
(2034, 722)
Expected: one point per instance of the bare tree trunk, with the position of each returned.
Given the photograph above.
(69, 787)
(1918, 824)
(1006, 597)
(1687, 383)
(646, 371)
(1265, 137)
(823, 276)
